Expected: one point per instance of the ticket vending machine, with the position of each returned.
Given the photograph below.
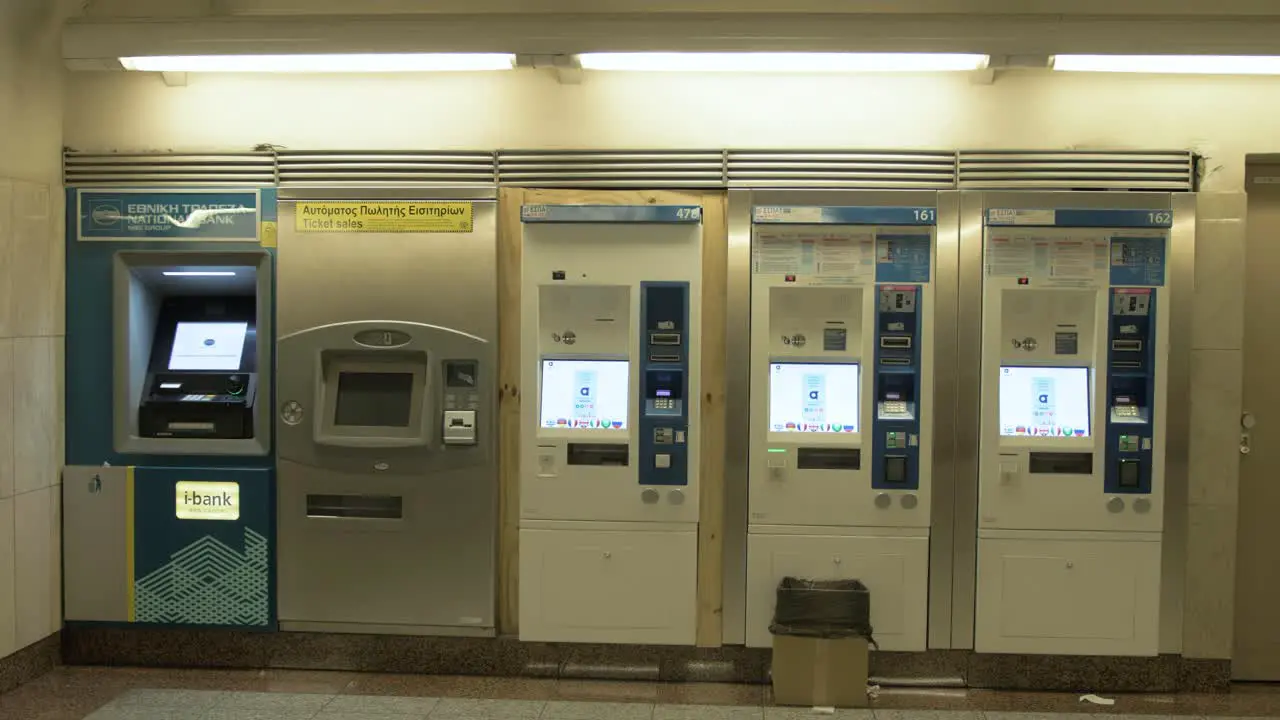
(842, 361)
(609, 423)
(1075, 346)
(168, 493)
(386, 410)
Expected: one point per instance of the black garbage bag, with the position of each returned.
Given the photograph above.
(823, 609)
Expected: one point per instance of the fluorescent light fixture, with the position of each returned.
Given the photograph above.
(199, 273)
(372, 63)
(763, 62)
(1164, 64)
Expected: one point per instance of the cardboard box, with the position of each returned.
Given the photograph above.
(813, 672)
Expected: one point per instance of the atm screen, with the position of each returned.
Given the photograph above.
(820, 398)
(585, 394)
(208, 346)
(1044, 402)
(374, 399)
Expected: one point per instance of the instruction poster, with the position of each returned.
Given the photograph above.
(830, 254)
(1049, 257)
(383, 217)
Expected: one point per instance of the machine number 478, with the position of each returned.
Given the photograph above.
(688, 213)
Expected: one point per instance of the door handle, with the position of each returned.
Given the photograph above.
(1247, 421)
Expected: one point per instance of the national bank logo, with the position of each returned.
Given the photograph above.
(106, 214)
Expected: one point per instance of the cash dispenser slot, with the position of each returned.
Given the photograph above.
(1061, 463)
(599, 454)
(829, 459)
(368, 507)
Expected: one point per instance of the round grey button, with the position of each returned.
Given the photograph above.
(1115, 504)
(676, 497)
(910, 501)
(1142, 505)
(291, 412)
(883, 500)
(650, 496)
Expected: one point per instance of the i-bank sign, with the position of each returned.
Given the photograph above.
(208, 500)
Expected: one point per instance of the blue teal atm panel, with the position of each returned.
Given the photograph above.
(202, 547)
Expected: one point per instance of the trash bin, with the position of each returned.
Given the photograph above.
(821, 636)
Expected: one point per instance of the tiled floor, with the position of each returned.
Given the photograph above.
(136, 694)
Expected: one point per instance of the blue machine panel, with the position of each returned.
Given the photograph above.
(167, 215)
(902, 258)
(662, 214)
(895, 424)
(664, 383)
(213, 572)
(1130, 398)
(843, 215)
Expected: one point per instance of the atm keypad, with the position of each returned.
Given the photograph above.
(664, 404)
(1125, 411)
(894, 407)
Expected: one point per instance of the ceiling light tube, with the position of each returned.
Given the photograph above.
(337, 63)
(199, 273)
(762, 62)
(1171, 64)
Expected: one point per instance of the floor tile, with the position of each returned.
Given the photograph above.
(569, 710)
(609, 691)
(458, 686)
(187, 699)
(707, 712)
(710, 694)
(143, 712)
(366, 716)
(257, 714)
(473, 709)
(898, 714)
(800, 713)
(275, 702)
(375, 704)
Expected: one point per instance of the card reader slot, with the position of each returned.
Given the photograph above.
(664, 357)
(829, 459)
(1061, 463)
(1126, 345)
(1126, 364)
(664, 338)
(895, 361)
(601, 454)
(901, 342)
(369, 507)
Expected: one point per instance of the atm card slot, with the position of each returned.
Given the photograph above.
(901, 342)
(612, 455)
(828, 459)
(664, 357)
(1126, 345)
(368, 507)
(1126, 364)
(895, 361)
(1061, 463)
(192, 426)
(664, 338)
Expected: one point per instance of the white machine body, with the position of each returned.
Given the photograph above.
(1075, 342)
(611, 320)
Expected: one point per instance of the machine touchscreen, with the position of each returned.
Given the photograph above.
(585, 394)
(208, 346)
(817, 397)
(1044, 402)
(374, 399)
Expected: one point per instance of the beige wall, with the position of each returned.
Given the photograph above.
(1223, 118)
(31, 322)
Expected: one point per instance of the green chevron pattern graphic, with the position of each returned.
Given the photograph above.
(208, 583)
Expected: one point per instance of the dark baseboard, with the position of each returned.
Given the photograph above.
(30, 662)
(203, 648)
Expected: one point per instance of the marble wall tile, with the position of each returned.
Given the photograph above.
(36, 262)
(6, 418)
(37, 407)
(1208, 628)
(1217, 313)
(38, 568)
(8, 596)
(6, 257)
(1215, 408)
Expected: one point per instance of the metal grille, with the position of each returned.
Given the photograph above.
(356, 168)
(1078, 170)
(225, 169)
(841, 169)
(612, 169)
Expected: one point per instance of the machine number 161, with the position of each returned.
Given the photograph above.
(926, 215)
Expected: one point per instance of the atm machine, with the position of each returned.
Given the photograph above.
(1074, 370)
(386, 411)
(842, 399)
(168, 497)
(609, 423)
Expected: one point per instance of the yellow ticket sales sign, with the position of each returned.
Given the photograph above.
(383, 217)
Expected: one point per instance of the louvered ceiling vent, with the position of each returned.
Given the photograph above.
(841, 169)
(612, 169)
(356, 168)
(147, 170)
(1078, 170)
